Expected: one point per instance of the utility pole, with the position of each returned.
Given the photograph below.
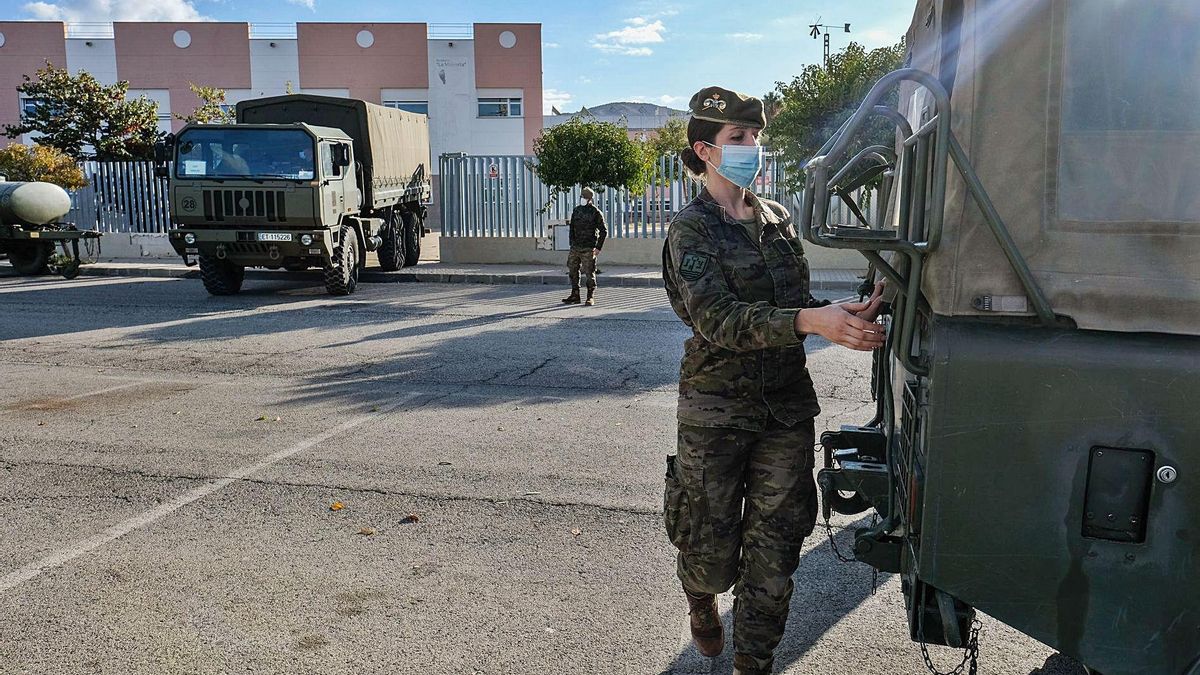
(815, 30)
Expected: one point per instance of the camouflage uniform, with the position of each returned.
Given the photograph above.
(746, 411)
(588, 233)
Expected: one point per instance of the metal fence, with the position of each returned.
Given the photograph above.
(121, 197)
(501, 196)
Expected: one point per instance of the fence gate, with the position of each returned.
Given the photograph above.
(501, 196)
(121, 197)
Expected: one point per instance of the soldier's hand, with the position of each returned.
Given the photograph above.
(839, 326)
(869, 310)
(595, 252)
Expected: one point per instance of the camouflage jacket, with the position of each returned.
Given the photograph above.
(587, 227)
(744, 363)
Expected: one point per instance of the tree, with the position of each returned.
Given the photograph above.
(585, 151)
(40, 163)
(820, 99)
(210, 110)
(671, 139)
(86, 119)
(772, 104)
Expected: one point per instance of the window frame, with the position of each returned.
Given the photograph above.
(395, 104)
(506, 104)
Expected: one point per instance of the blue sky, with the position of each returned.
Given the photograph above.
(594, 52)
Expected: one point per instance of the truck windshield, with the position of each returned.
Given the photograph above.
(245, 153)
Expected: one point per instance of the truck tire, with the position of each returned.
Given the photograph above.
(29, 258)
(391, 252)
(341, 273)
(412, 239)
(221, 277)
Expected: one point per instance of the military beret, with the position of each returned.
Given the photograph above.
(717, 104)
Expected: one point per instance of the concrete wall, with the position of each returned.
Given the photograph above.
(273, 64)
(98, 57)
(524, 250)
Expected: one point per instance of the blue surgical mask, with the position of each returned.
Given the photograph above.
(740, 164)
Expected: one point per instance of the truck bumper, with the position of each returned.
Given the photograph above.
(254, 248)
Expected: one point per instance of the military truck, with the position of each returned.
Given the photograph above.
(299, 181)
(1034, 450)
(32, 233)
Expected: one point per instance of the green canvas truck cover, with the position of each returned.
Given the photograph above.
(392, 145)
(1082, 119)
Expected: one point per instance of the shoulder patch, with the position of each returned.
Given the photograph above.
(693, 265)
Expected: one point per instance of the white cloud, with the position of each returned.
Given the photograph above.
(880, 37)
(637, 31)
(309, 4)
(623, 50)
(555, 98)
(746, 37)
(114, 10)
(551, 45)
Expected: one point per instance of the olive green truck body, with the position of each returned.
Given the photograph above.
(300, 181)
(1033, 452)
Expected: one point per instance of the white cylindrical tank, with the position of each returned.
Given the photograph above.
(32, 203)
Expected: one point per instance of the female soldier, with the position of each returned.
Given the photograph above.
(740, 496)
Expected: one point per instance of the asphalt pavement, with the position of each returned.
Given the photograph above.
(417, 478)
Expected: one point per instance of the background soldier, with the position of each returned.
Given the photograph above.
(587, 238)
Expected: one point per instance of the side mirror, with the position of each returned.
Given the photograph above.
(164, 149)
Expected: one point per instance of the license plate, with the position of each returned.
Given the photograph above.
(274, 236)
(191, 250)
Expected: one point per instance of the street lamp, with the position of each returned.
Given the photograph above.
(815, 30)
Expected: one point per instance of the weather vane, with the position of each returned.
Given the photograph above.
(815, 30)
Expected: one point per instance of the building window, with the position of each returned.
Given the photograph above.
(499, 107)
(419, 107)
(29, 106)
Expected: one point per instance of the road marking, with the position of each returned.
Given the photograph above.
(106, 390)
(65, 555)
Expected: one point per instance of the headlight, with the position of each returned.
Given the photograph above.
(306, 239)
(189, 238)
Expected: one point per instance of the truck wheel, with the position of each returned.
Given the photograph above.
(391, 251)
(341, 272)
(29, 258)
(412, 239)
(221, 277)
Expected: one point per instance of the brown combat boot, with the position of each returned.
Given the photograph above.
(707, 632)
(573, 298)
(590, 300)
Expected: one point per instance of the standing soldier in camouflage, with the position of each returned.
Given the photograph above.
(740, 496)
(587, 238)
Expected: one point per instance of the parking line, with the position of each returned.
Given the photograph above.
(89, 544)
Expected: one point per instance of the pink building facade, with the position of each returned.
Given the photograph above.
(480, 84)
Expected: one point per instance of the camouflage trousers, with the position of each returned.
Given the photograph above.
(738, 506)
(582, 261)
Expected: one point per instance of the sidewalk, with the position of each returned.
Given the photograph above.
(436, 272)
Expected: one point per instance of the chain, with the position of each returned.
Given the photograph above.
(833, 544)
(970, 660)
(874, 570)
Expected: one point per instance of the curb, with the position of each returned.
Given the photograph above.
(378, 277)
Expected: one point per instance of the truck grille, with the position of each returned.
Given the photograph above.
(222, 204)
